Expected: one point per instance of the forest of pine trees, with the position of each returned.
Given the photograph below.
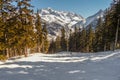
(22, 32)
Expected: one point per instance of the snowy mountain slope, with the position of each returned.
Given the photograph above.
(63, 66)
(94, 18)
(56, 20)
(49, 15)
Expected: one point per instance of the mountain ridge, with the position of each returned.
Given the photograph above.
(55, 20)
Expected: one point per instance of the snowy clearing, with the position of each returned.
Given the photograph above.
(63, 66)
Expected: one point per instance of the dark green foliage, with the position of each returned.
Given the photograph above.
(45, 42)
(116, 23)
(106, 31)
(98, 41)
(74, 40)
(16, 29)
(90, 39)
(6, 10)
(70, 43)
(110, 26)
(63, 40)
(52, 48)
(3, 58)
(103, 37)
(18, 34)
(83, 40)
(57, 44)
(39, 33)
(25, 24)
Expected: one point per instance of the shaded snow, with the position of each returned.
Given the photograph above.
(63, 66)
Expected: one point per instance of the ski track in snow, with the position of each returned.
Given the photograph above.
(63, 66)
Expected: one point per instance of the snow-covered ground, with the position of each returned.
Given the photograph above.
(63, 66)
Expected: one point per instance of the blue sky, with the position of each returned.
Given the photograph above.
(83, 7)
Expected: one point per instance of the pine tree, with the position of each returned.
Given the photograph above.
(98, 44)
(52, 48)
(78, 40)
(116, 22)
(63, 40)
(75, 34)
(83, 40)
(70, 43)
(90, 39)
(6, 11)
(39, 33)
(45, 42)
(110, 26)
(2, 45)
(57, 44)
(26, 25)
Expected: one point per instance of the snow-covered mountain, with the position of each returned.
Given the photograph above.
(91, 20)
(61, 17)
(56, 20)
(94, 18)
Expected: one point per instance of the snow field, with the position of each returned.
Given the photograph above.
(63, 66)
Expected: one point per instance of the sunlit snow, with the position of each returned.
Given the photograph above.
(63, 66)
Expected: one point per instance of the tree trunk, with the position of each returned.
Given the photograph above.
(116, 35)
(25, 52)
(7, 52)
(112, 46)
(105, 47)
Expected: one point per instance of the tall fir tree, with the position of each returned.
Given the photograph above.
(45, 42)
(83, 40)
(63, 40)
(90, 39)
(26, 25)
(75, 35)
(39, 33)
(6, 12)
(116, 23)
(98, 41)
(57, 44)
(70, 43)
(52, 48)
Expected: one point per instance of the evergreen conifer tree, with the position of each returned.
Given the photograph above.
(45, 42)
(26, 25)
(63, 40)
(90, 39)
(39, 33)
(57, 44)
(6, 12)
(83, 40)
(98, 44)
